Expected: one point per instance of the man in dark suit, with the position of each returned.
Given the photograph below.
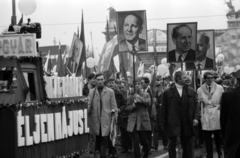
(132, 27)
(203, 62)
(179, 114)
(182, 38)
(230, 120)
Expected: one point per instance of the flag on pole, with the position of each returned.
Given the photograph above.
(74, 55)
(20, 21)
(105, 61)
(60, 65)
(83, 52)
(48, 63)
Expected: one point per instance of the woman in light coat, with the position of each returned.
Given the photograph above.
(210, 95)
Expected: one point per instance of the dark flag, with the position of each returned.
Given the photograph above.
(60, 65)
(20, 21)
(83, 54)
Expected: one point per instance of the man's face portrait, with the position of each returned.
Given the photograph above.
(132, 31)
(202, 46)
(183, 40)
(132, 28)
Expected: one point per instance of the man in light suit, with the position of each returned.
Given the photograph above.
(102, 104)
(182, 38)
(132, 27)
(203, 46)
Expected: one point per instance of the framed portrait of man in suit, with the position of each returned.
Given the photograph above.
(181, 42)
(132, 31)
(205, 52)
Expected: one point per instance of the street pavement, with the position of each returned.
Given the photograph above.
(160, 153)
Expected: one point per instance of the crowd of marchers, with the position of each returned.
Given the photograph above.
(136, 115)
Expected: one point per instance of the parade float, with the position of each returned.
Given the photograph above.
(40, 116)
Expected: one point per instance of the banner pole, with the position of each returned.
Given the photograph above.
(134, 72)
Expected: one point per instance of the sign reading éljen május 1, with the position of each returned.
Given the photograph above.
(51, 126)
(18, 45)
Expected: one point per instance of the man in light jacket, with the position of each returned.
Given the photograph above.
(102, 104)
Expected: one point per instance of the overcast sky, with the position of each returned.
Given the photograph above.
(60, 18)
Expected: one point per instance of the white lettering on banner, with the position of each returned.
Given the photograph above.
(64, 124)
(80, 116)
(86, 121)
(70, 127)
(50, 127)
(43, 120)
(58, 126)
(20, 123)
(18, 45)
(29, 139)
(36, 134)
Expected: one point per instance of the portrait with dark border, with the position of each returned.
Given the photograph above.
(205, 51)
(181, 42)
(132, 31)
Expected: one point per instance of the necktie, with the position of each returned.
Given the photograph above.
(133, 48)
(180, 58)
(209, 88)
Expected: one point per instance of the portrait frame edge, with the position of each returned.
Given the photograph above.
(145, 29)
(170, 38)
(214, 55)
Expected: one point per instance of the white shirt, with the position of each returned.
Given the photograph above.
(177, 55)
(130, 46)
(202, 64)
(179, 89)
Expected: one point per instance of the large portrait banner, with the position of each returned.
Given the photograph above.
(132, 31)
(181, 42)
(205, 52)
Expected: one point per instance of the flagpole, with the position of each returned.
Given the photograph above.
(84, 48)
(94, 68)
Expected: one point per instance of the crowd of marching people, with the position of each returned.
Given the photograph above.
(136, 115)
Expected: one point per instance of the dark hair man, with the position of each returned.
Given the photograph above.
(132, 27)
(101, 104)
(138, 119)
(90, 84)
(209, 95)
(182, 38)
(179, 114)
(230, 120)
(203, 62)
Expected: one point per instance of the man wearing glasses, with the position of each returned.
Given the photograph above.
(138, 119)
(209, 95)
(102, 104)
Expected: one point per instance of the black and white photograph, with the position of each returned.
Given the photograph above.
(205, 52)
(181, 42)
(132, 31)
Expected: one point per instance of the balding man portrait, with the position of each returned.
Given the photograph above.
(182, 39)
(132, 28)
(203, 62)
